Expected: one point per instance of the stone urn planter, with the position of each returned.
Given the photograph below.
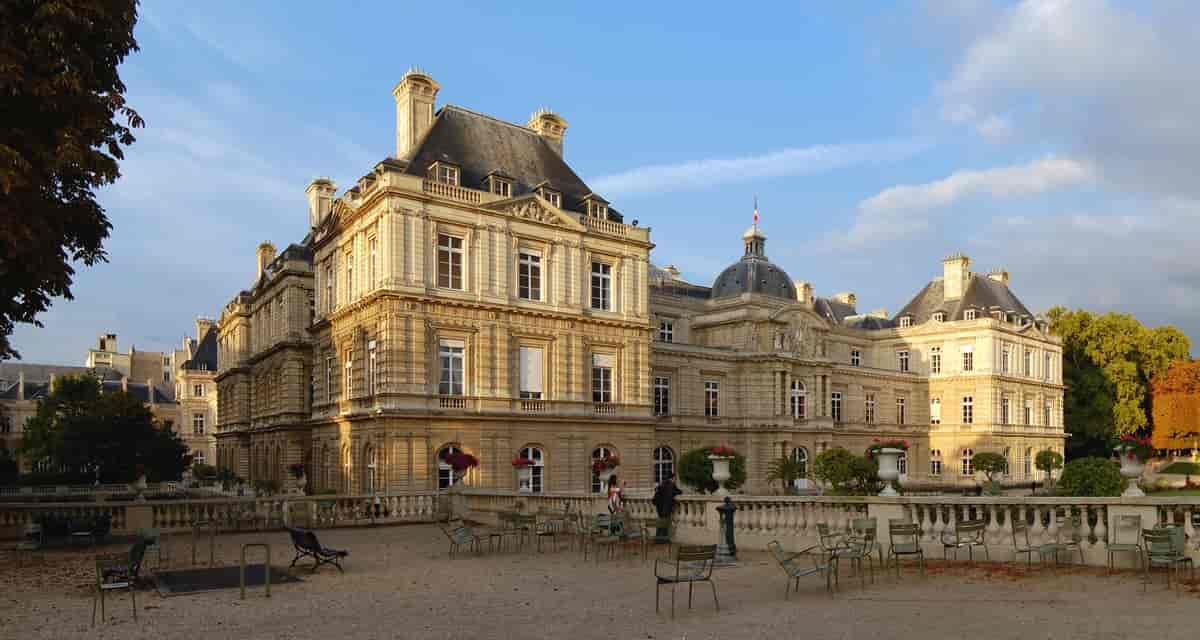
(721, 473)
(606, 474)
(1131, 469)
(889, 469)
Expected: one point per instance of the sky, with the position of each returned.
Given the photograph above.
(1052, 138)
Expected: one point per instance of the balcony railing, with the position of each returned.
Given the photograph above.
(534, 406)
(470, 196)
(452, 402)
(604, 408)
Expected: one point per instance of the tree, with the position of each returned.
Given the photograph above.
(1092, 477)
(845, 472)
(695, 470)
(1048, 462)
(1175, 406)
(1108, 362)
(65, 123)
(786, 470)
(79, 429)
(990, 464)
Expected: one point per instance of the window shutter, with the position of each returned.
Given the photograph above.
(531, 369)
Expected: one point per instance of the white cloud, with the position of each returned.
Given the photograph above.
(701, 174)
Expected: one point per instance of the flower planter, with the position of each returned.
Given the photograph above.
(1131, 469)
(889, 469)
(720, 473)
(606, 474)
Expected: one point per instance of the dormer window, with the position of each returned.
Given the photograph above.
(551, 196)
(969, 315)
(499, 185)
(444, 173)
(595, 206)
(939, 317)
(905, 322)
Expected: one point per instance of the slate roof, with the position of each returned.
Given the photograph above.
(137, 390)
(37, 381)
(205, 357)
(753, 274)
(834, 310)
(664, 282)
(480, 145)
(983, 294)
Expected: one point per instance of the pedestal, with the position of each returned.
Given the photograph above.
(726, 546)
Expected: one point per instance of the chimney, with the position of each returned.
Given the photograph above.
(415, 96)
(21, 384)
(320, 200)
(999, 275)
(50, 388)
(263, 257)
(878, 313)
(846, 298)
(108, 342)
(672, 271)
(150, 392)
(550, 126)
(956, 273)
(804, 291)
(202, 327)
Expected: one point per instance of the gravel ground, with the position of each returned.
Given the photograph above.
(399, 583)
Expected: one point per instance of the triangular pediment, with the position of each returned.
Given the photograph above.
(534, 208)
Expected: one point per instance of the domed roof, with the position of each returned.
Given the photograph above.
(754, 273)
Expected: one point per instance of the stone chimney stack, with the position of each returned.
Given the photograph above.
(21, 385)
(202, 327)
(416, 95)
(999, 275)
(124, 383)
(50, 389)
(804, 291)
(550, 126)
(263, 257)
(107, 342)
(320, 200)
(956, 274)
(150, 392)
(846, 298)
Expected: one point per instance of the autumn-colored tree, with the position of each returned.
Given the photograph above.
(1108, 362)
(1176, 406)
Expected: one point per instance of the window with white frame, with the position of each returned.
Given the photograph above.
(197, 391)
(935, 462)
(1046, 366)
(501, 187)
(349, 276)
(372, 262)
(835, 406)
(444, 173)
(600, 485)
(330, 303)
(1007, 465)
(935, 360)
(1004, 415)
(529, 476)
(349, 385)
(855, 357)
(329, 364)
(531, 361)
(598, 210)
(451, 377)
(1027, 363)
(197, 457)
(1028, 412)
(905, 322)
(967, 467)
(902, 463)
(197, 424)
(1048, 414)
(901, 411)
(529, 275)
(969, 314)
(662, 396)
(712, 399)
(666, 330)
(664, 464)
(869, 408)
(968, 410)
(968, 357)
(602, 286)
(939, 317)
(799, 404)
(602, 377)
(1004, 359)
(1028, 462)
(902, 359)
(446, 474)
(372, 370)
(552, 196)
(450, 262)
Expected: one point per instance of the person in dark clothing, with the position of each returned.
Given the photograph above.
(664, 503)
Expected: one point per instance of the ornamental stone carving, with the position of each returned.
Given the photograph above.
(533, 210)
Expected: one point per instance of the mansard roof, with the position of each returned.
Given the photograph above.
(983, 294)
(481, 145)
(205, 358)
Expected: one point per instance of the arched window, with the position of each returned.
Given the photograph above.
(902, 463)
(799, 405)
(800, 455)
(935, 462)
(372, 477)
(446, 475)
(599, 485)
(968, 466)
(530, 477)
(664, 464)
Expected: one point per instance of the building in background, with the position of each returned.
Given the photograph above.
(195, 391)
(134, 364)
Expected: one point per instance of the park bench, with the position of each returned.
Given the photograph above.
(307, 546)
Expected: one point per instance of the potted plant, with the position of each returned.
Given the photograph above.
(605, 467)
(460, 463)
(887, 453)
(521, 463)
(1133, 453)
(720, 456)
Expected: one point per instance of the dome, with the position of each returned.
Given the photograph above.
(754, 273)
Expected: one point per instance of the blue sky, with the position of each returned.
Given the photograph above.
(1054, 138)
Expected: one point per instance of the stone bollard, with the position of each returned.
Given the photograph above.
(726, 546)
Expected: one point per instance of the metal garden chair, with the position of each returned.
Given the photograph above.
(118, 571)
(1165, 547)
(967, 534)
(690, 565)
(795, 569)
(1022, 544)
(1133, 525)
(904, 539)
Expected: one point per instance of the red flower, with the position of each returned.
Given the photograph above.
(461, 461)
(600, 465)
(522, 462)
(722, 450)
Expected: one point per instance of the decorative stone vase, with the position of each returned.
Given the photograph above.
(720, 473)
(1131, 468)
(301, 483)
(889, 470)
(140, 483)
(607, 474)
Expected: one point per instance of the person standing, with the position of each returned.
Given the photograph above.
(664, 503)
(614, 495)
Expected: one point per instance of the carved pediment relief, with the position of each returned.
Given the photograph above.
(534, 208)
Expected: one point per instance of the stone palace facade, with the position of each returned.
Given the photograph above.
(472, 293)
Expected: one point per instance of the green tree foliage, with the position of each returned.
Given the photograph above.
(1093, 477)
(785, 470)
(695, 470)
(989, 464)
(9, 472)
(65, 122)
(78, 428)
(846, 473)
(1048, 461)
(1108, 361)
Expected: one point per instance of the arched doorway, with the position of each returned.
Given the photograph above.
(530, 477)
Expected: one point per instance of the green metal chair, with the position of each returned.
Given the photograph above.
(606, 532)
(831, 542)
(795, 569)
(154, 543)
(858, 549)
(118, 571)
(967, 534)
(1069, 537)
(860, 525)
(1022, 544)
(1165, 547)
(32, 541)
(461, 536)
(904, 540)
(1131, 523)
(690, 565)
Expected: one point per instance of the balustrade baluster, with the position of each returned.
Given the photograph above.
(991, 515)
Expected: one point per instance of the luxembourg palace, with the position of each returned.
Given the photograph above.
(472, 293)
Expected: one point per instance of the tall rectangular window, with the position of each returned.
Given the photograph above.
(662, 396)
(450, 365)
(902, 358)
(529, 275)
(197, 391)
(968, 358)
(349, 277)
(869, 409)
(935, 360)
(1028, 412)
(372, 371)
(968, 410)
(329, 364)
(1004, 410)
(1028, 364)
(198, 424)
(1048, 414)
(835, 406)
(935, 463)
(712, 399)
(531, 361)
(935, 411)
(855, 357)
(1046, 367)
(602, 377)
(1004, 358)
(373, 262)
(601, 286)
(666, 330)
(901, 417)
(349, 388)
(450, 262)
(330, 303)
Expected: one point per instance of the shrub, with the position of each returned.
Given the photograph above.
(1091, 477)
(847, 473)
(990, 464)
(1048, 461)
(785, 470)
(695, 470)
(203, 471)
